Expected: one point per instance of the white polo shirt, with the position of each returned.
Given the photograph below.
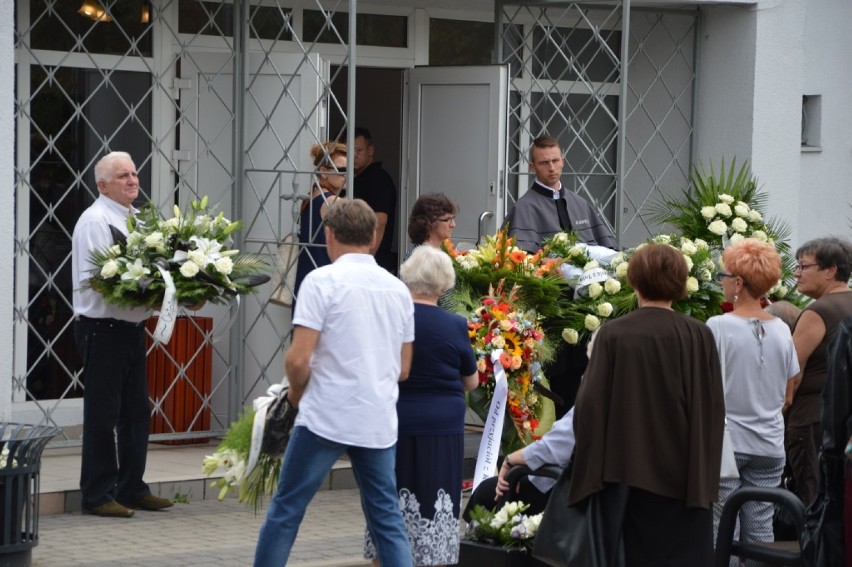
(363, 315)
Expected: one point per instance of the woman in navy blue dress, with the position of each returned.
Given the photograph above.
(330, 160)
(431, 409)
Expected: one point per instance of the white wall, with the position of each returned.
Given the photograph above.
(7, 200)
(755, 64)
(825, 199)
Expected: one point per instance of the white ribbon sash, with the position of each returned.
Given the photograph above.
(168, 311)
(260, 404)
(489, 445)
(595, 275)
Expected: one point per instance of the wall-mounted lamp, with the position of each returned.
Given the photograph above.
(93, 10)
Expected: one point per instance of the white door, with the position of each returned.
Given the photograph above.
(457, 135)
(283, 116)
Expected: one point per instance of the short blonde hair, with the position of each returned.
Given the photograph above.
(428, 272)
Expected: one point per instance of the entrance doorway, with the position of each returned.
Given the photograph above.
(378, 108)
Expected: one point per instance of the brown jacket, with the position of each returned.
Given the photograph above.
(651, 410)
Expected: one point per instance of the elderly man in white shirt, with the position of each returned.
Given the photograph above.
(111, 342)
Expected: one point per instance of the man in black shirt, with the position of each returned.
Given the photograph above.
(374, 185)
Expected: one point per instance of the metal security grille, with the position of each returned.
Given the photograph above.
(211, 98)
(615, 86)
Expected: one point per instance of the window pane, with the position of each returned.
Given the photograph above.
(559, 53)
(373, 29)
(205, 18)
(73, 112)
(458, 42)
(316, 27)
(269, 22)
(58, 26)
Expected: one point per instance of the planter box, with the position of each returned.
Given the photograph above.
(477, 554)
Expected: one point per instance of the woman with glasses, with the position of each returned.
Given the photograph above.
(822, 272)
(432, 220)
(758, 358)
(330, 160)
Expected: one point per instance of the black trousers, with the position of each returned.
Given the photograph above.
(564, 373)
(116, 410)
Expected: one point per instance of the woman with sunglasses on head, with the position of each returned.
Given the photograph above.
(330, 160)
(758, 358)
(822, 272)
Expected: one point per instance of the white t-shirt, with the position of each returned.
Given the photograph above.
(92, 233)
(363, 315)
(759, 358)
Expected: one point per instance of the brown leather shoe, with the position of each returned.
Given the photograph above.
(111, 509)
(149, 502)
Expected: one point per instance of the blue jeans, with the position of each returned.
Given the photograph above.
(306, 463)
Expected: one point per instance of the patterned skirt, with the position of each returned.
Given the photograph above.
(429, 479)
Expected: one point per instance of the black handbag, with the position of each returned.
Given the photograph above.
(280, 417)
(586, 535)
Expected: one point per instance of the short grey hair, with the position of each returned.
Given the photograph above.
(103, 169)
(428, 272)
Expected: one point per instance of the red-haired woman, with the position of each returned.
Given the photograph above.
(757, 352)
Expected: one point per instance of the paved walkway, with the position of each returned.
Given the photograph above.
(204, 533)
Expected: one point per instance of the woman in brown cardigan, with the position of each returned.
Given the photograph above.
(649, 416)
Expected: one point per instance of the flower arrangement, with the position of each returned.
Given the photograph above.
(507, 527)
(192, 247)
(231, 458)
(724, 208)
(499, 321)
(498, 259)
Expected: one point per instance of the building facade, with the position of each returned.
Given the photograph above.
(225, 98)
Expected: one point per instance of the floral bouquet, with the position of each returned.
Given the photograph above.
(231, 458)
(499, 322)
(724, 209)
(508, 527)
(498, 259)
(189, 251)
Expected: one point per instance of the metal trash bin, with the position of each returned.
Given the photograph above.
(21, 446)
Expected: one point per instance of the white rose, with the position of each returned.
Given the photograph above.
(561, 238)
(760, 235)
(570, 336)
(189, 269)
(197, 256)
(154, 240)
(705, 274)
(621, 270)
(171, 224)
(617, 259)
(663, 239)
(691, 285)
(723, 209)
(591, 265)
(135, 238)
(595, 290)
(736, 238)
(612, 286)
(718, 227)
(605, 309)
(782, 291)
(591, 322)
(701, 244)
(739, 225)
(755, 216)
(708, 212)
(689, 263)
(725, 198)
(109, 269)
(224, 265)
(688, 247)
(114, 251)
(741, 210)
(576, 250)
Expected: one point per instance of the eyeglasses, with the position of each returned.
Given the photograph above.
(722, 275)
(447, 219)
(803, 267)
